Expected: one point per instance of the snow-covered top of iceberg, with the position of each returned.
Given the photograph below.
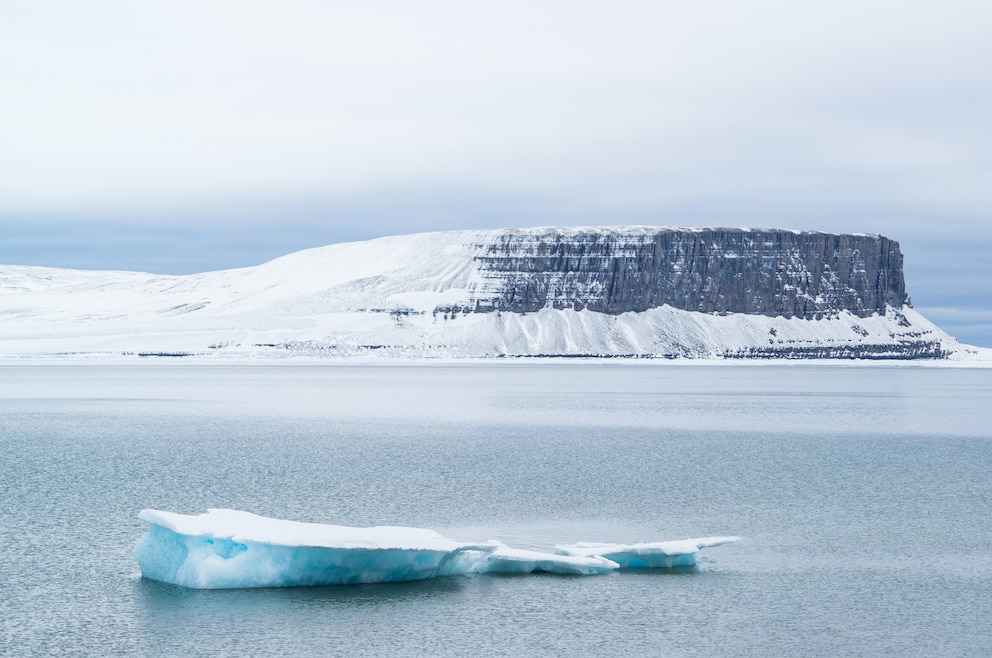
(247, 527)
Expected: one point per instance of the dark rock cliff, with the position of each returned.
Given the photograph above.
(766, 272)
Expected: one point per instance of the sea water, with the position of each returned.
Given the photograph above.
(863, 493)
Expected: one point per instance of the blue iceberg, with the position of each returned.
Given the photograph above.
(224, 549)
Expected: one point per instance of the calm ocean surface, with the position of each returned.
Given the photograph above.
(864, 496)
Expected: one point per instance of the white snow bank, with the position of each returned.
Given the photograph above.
(232, 549)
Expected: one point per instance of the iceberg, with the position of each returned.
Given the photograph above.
(225, 549)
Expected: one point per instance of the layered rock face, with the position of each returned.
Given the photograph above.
(773, 273)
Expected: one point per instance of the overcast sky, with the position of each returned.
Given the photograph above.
(181, 136)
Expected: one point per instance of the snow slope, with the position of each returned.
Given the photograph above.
(400, 296)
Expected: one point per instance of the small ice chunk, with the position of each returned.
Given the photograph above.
(654, 555)
(506, 559)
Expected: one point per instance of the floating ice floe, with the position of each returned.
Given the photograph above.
(232, 549)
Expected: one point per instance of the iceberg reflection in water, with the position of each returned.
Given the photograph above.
(224, 549)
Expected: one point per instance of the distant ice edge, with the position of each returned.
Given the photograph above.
(230, 549)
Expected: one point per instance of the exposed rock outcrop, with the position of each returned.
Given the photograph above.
(764, 272)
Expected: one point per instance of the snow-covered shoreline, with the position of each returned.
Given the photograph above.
(658, 335)
(983, 360)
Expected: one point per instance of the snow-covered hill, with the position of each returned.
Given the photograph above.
(492, 293)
